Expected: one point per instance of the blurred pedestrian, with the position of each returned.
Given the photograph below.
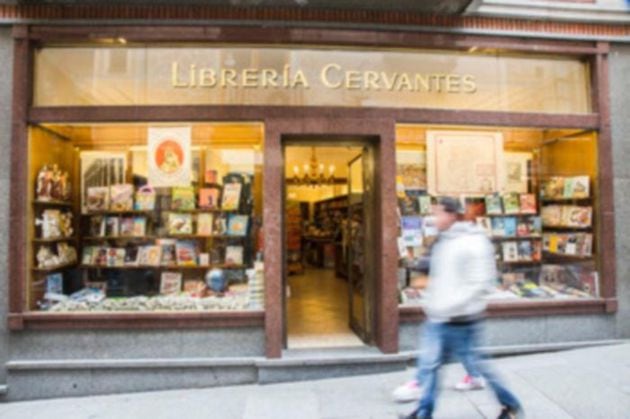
(461, 272)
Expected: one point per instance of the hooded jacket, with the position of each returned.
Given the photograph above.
(462, 271)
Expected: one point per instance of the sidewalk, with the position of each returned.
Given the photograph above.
(586, 383)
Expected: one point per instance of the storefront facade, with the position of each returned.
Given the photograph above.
(392, 89)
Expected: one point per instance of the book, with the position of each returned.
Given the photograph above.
(220, 225)
(568, 188)
(534, 226)
(234, 255)
(170, 283)
(237, 225)
(119, 256)
(536, 250)
(429, 227)
(498, 227)
(509, 279)
(231, 198)
(577, 216)
(551, 215)
(204, 259)
(99, 257)
(145, 199)
(121, 197)
(183, 198)
(510, 251)
(186, 253)
(139, 226)
(97, 226)
(153, 255)
(209, 198)
(180, 223)
(97, 198)
(168, 252)
(511, 203)
(424, 204)
(525, 250)
(112, 227)
(553, 188)
(126, 226)
(88, 255)
(194, 287)
(581, 187)
(485, 223)
(204, 224)
(585, 244)
(509, 226)
(493, 205)
(132, 256)
(411, 229)
(522, 228)
(528, 203)
(570, 247)
(54, 283)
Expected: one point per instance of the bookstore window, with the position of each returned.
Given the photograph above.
(533, 192)
(145, 217)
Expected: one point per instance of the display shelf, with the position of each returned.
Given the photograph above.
(515, 238)
(128, 238)
(562, 256)
(566, 228)
(165, 267)
(139, 212)
(565, 200)
(55, 240)
(53, 202)
(55, 268)
(518, 214)
(519, 262)
(201, 211)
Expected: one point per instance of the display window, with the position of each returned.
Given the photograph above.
(145, 217)
(533, 192)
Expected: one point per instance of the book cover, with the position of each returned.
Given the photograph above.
(170, 283)
(132, 256)
(571, 246)
(179, 224)
(234, 255)
(551, 215)
(126, 226)
(522, 228)
(553, 188)
(411, 227)
(153, 255)
(209, 198)
(112, 226)
(97, 198)
(183, 198)
(168, 252)
(577, 216)
(100, 254)
(211, 176)
(220, 225)
(145, 199)
(553, 243)
(568, 187)
(97, 226)
(493, 205)
(139, 226)
(562, 240)
(111, 256)
(194, 287)
(528, 203)
(87, 257)
(509, 226)
(429, 228)
(534, 226)
(121, 197)
(585, 244)
(510, 251)
(525, 250)
(511, 203)
(204, 259)
(237, 225)
(424, 204)
(205, 223)
(485, 223)
(581, 187)
(119, 256)
(584, 278)
(498, 226)
(536, 250)
(231, 198)
(54, 283)
(186, 253)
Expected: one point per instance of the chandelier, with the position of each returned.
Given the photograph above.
(313, 173)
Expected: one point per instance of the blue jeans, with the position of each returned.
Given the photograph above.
(461, 340)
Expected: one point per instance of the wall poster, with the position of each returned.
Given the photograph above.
(169, 157)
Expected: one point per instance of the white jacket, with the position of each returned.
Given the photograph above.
(462, 271)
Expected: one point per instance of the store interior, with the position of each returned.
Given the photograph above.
(317, 213)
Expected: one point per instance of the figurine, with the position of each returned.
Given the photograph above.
(66, 224)
(46, 258)
(51, 224)
(41, 183)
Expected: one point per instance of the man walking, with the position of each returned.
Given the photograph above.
(462, 270)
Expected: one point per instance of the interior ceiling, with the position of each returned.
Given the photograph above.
(418, 6)
(338, 156)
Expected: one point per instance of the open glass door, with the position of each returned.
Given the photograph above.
(360, 244)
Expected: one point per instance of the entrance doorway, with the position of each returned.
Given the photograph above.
(328, 225)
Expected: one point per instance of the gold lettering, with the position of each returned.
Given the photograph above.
(453, 83)
(300, 78)
(207, 78)
(370, 80)
(389, 84)
(353, 80)
(250, 77)
(269, 77)
(438, 81)
(193, 75)
(285, 76)
(228, 77)
(422, 83)
(175, 82)
(403, 80)
(324, 76)
(470, 84)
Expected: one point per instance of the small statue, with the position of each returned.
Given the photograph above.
(41, 183)
(46, 258)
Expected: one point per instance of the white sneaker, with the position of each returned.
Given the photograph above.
(408, 392)
(470, 383)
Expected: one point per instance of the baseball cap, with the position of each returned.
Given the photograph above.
(450, 204)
